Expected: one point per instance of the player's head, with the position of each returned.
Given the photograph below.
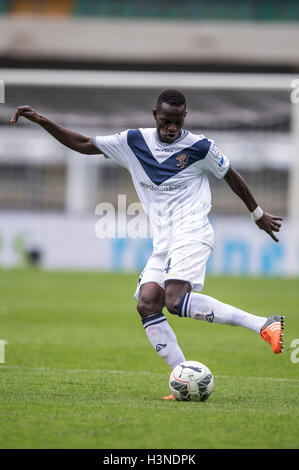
(170, 113)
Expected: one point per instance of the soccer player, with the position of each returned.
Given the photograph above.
(169, 167)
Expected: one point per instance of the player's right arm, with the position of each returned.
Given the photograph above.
(67, 137)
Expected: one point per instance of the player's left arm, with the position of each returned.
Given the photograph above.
(267, 222)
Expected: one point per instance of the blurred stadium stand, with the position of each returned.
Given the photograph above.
(265, 10)
(252, 126)
(194, 35)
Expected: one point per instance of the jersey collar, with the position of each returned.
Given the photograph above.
(165, 144)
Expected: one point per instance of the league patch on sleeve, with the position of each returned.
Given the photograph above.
(221, 161)
(216, 153)
(215, 149)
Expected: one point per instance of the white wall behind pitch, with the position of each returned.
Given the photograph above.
(70, 242)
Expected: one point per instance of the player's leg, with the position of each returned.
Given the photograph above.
(150, 305)
(203, 307)
(186, 272)
(190, 266)
(175, 290)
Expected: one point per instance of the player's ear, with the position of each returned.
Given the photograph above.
(155, 113)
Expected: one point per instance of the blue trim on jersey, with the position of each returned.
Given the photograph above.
(160, 172)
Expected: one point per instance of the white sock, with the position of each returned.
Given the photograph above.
(163, 339)
(203, 307)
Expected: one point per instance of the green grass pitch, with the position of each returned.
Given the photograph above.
(79, 371)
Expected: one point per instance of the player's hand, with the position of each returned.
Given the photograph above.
(269, 223)
(27, 112)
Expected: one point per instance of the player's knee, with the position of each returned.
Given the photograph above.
(151, 299)
(174, 292)
(146, 307)
(172, 304)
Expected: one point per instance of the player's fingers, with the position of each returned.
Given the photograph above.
(18, 113)
(267, 228)
(15, 117)
(273, 236)
(274, 217)
(21, 111)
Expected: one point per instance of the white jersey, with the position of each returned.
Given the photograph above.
(171, 181)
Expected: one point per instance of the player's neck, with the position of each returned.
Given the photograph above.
(182, 135)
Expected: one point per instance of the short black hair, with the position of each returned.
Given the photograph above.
(171, 97)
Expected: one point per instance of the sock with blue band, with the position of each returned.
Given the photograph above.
(203, 307)
(162, 337)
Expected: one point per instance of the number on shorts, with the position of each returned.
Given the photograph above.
(167, 268)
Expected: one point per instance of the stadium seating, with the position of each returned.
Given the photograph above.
(260, 10)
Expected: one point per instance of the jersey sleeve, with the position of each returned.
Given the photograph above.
(113, 146)
(216, 162)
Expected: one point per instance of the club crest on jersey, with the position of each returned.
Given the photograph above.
(182, 160)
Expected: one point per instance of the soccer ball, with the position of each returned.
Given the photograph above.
(191, 381)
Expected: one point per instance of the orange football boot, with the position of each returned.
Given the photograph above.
(169, 397)
(272, 333)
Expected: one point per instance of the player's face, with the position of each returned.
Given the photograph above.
(169, 121)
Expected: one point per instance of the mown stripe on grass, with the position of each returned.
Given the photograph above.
(132, 372)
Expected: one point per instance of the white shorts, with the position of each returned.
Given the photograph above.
(185, 262)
